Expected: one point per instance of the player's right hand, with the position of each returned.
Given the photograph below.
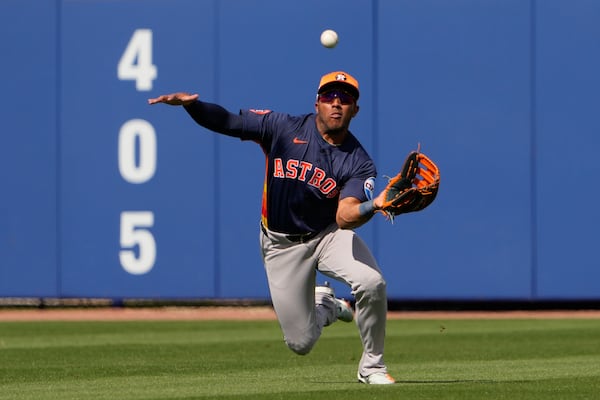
(175, 99)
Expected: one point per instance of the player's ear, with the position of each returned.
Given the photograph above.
(356, 108)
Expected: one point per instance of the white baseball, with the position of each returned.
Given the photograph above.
(329, 38)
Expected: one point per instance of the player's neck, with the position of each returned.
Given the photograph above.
(336, 137)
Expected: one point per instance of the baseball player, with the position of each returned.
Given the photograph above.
(319, 187)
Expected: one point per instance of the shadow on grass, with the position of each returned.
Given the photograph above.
(447, 381)
(419, 382)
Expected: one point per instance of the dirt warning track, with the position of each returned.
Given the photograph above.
(254, 313)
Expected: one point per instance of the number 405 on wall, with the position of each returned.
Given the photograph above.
(137, 157)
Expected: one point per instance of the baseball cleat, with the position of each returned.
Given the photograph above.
(378, 378)
(344, 310)
(343, 307)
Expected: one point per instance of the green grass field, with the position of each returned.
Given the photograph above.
(431, 359)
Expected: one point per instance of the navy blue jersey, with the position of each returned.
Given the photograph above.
(305, 176)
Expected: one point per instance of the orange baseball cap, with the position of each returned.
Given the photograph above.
(339, 77)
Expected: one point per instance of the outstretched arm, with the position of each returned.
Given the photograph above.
(211, 116)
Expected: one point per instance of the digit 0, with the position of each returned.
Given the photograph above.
(137, 151)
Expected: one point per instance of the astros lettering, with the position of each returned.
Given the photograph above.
(301, 170)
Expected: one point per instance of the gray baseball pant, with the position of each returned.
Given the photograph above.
(339, 254)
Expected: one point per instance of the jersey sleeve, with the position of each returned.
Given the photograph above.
(361, 183)
(214, 117)
(264, 125)
(257, 125)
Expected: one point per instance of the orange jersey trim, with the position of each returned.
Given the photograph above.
(264, 196)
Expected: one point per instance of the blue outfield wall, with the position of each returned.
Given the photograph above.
(105, 196)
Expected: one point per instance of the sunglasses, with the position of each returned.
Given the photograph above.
(329, 97)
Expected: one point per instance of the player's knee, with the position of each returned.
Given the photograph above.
(373, 288)
(300, 347)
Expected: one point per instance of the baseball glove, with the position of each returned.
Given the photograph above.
(414, 188)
